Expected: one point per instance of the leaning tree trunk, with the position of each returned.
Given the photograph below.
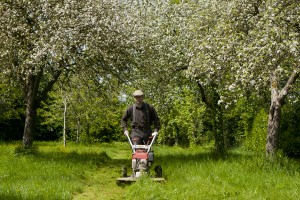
(277, 98)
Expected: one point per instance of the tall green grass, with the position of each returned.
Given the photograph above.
(48, 171)
(51, 171)
(197, 174)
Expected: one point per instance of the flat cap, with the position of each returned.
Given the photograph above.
(138, 93)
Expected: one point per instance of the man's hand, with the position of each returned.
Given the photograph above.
(126, 132)
(154, 133)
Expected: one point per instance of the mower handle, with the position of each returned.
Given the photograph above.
(148, 147)
(152, 141)
(129, 140)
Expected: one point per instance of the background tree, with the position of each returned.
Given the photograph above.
(269, 53)
(93, 114)
(219, 49)
(44, 40)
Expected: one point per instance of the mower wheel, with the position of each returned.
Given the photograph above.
(124, 171)
(158, 171)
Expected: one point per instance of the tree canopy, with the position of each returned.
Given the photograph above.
(225, 53)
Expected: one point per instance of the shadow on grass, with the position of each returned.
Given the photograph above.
(19, 197)
(11, 197)
(98, 159)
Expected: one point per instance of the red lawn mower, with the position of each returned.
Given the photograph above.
(142, 159)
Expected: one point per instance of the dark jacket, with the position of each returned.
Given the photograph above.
(145, 117)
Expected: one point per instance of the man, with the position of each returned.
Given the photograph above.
(142, 116)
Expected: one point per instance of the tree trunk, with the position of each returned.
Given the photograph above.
(31, 89)
(277, 99)
(77, 131)
(88, 133)
(31, 99)
(274, 117)
(65, 126)
(218, 133)
(227, 142)
(273, 129)
(29, 123)
(176, 135)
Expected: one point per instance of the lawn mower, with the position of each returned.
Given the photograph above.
(142, 159)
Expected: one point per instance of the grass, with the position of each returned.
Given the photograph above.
(51, 171)
(196, 174)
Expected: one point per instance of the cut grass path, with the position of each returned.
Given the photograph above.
(103, 183)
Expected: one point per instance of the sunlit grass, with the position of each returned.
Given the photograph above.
(51, 171)
(197, 174)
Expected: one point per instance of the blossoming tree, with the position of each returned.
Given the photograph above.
(42, 41)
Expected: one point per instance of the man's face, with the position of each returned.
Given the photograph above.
(138, 99)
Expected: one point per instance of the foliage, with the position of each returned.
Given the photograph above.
(12, 110)
(250, 45)
(240, 119)
(183, 124)
(290, 129)
(268, 33)
(98, 51)
(93, 111)
(11, 104)
(256, 139)
(50, 39)
(169, 45)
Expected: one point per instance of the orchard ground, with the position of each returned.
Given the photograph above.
(51, 171)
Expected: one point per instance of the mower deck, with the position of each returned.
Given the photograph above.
(132, 179)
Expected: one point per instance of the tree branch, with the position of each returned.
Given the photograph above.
(283, 93)
(43, 95)
(203, 95)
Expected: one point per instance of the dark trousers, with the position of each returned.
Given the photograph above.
(140, 136)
